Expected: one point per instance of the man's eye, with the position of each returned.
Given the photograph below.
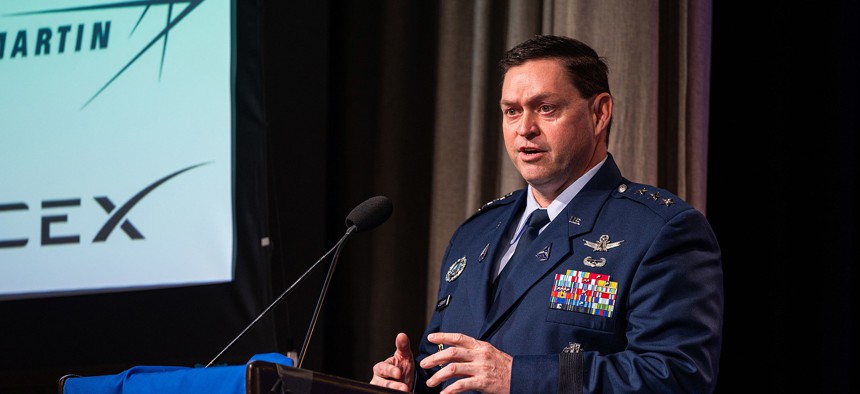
(511, 111)
(545, 108)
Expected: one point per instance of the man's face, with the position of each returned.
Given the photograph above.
(550, 131)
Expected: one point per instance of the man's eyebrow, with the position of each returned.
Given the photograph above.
(536, 98)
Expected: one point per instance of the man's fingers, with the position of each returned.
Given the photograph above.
(449, 354)
(388, 375)
(402, 345)
(453, 347)
(453, 339)
(377, 381)
(462, 370)
(396, 371)
(397, 386)
(386, 369)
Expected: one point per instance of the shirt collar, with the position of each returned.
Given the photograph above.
(560, 202)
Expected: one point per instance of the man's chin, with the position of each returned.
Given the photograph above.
(536, 180)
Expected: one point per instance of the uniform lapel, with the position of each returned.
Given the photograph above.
(494, 241)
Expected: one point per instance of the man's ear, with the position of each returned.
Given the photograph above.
(601, 112)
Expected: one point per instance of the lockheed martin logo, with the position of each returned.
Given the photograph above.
(62, 36)
(118, 216)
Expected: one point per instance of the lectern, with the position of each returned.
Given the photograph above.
(266, 373)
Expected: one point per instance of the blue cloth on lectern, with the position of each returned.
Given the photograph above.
(170, 379)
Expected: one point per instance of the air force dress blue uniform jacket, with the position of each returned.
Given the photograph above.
(621, 292)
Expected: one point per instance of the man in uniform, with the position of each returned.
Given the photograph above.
(622, 289)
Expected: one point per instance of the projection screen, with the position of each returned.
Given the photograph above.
(116, 145)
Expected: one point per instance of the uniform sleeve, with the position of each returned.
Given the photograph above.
(674, 324)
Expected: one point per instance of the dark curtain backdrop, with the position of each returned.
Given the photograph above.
(352, 105)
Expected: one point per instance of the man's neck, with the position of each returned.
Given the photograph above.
(565, 193)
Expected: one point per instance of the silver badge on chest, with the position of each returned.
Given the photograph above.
(456, 269)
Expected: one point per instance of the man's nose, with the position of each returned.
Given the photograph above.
(528, 125)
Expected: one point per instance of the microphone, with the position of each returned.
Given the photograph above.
(365, 216)
(369, 214)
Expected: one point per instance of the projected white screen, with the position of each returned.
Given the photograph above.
(116, 131)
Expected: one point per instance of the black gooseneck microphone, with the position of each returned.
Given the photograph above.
(365, 216)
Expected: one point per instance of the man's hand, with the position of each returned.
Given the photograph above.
(398, 371)
(481, 366)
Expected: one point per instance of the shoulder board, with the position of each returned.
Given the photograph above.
(499, 201)
(661, 201)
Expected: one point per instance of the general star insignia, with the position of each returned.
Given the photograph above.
(602, 244)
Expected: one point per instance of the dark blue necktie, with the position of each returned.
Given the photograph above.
(537, 220)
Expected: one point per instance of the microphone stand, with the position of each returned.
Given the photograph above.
(322, 297)
(278, 300)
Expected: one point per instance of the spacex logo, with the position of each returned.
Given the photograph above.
(117, 216)
(73, 37)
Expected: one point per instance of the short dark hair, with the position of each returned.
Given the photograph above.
(588, 72)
